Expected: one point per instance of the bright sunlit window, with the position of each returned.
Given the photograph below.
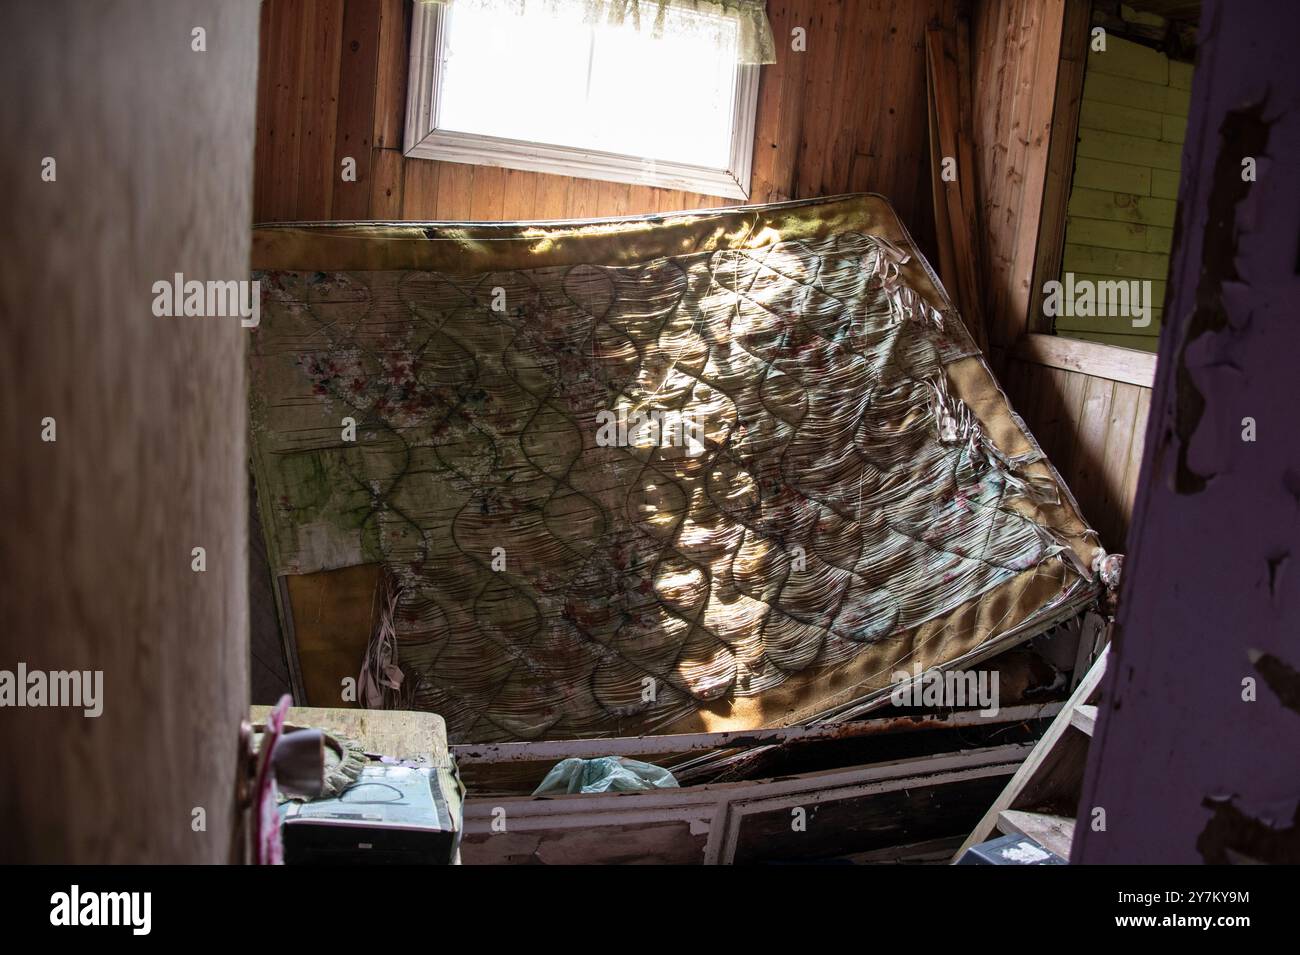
(541, 87)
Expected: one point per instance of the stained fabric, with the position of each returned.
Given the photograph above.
(735, 485)
(605, 774)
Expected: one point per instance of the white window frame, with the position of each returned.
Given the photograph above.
(424, 140)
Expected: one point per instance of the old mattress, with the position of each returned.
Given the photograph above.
(713, 470)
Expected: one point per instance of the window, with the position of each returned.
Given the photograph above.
(548, 87)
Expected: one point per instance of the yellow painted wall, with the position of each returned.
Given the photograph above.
(1120, 217)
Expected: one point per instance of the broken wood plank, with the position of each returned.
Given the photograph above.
(1053, 833)
(547, 750)
(1027, 775)
(1084, 717)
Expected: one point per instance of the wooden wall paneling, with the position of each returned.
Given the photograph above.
(904, 49)
(1134, 469)
(1091, 429)
(555, 197)
(1016, 55)
(1015, 383)
(853, 42)
(354, 135)
(1122, 202)
(839, 117)
(947, 255)
(387, 169)
(819, 88)
(520, 195)
(969, 178)
(768, 127)
(1088, 464)
(487, 201)
(614, 198)
(641, 199)
(1072, 398)
(955, 234)
(286, 41)
(393, 62)
(992, 81)
(455, 190)
(1039, 406)
(786, 87)
(268, 28)
(1035, 407)
(585, 199)
(322, 45)
(1112, 512)
(966, 78)
(1052, 385)
(420, 183)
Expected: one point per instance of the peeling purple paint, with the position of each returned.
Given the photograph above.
(1186, 770)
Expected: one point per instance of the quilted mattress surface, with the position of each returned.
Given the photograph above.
(713, 470)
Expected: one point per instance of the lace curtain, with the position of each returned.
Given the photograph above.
(664, 18)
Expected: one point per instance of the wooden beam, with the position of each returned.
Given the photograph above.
(1060, 157)
(1042, 105)
(1089, 358)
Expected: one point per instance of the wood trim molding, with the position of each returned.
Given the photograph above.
(1089, 358)
(424, 140)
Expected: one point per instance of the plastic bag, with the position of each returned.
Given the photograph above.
(604, 774)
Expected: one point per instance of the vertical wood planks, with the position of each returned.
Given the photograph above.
(520, 195)
(322, 42)
(420, 190)
(839, 117)
(555, 197)
(1091, 430)
(354, 134)
(1016, 54)
(487, 200)
(455, 190)
(386, 183)
(1141, 421)
(393, 62)
(285, 42)
(1115, 463)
